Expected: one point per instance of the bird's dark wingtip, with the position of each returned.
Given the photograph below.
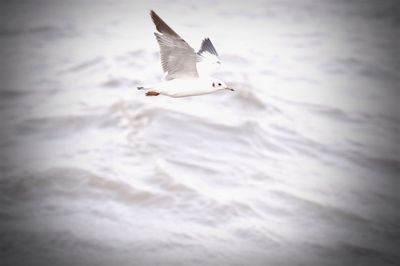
(152, 14)
(207, 46)
(161, 26)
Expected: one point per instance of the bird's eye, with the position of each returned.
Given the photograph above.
(219, 84)
(213, 84)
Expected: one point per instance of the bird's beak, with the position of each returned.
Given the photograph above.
(229, 89)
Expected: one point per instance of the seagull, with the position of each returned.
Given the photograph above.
(186, 72)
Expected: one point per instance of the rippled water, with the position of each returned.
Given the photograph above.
(298, 167)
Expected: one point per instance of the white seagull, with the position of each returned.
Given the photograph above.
(186, 73)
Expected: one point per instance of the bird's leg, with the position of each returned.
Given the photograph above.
(152, 93)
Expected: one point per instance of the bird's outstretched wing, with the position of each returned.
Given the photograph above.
(208, 59)
(178, 59)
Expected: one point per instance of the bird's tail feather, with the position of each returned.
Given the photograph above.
(145, 87)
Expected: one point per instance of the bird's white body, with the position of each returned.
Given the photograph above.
(184, 87)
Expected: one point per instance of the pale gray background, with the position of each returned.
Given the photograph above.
(298, 167)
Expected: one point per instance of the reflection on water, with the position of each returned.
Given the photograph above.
(297, 167)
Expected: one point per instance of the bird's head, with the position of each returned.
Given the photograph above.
(220, 85)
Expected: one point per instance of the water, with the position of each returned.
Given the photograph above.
(298, 167)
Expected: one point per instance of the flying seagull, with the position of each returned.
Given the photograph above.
(186, 72)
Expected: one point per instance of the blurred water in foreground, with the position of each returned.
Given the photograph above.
(298, 167)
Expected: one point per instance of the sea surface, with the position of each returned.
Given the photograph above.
(299, 166)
